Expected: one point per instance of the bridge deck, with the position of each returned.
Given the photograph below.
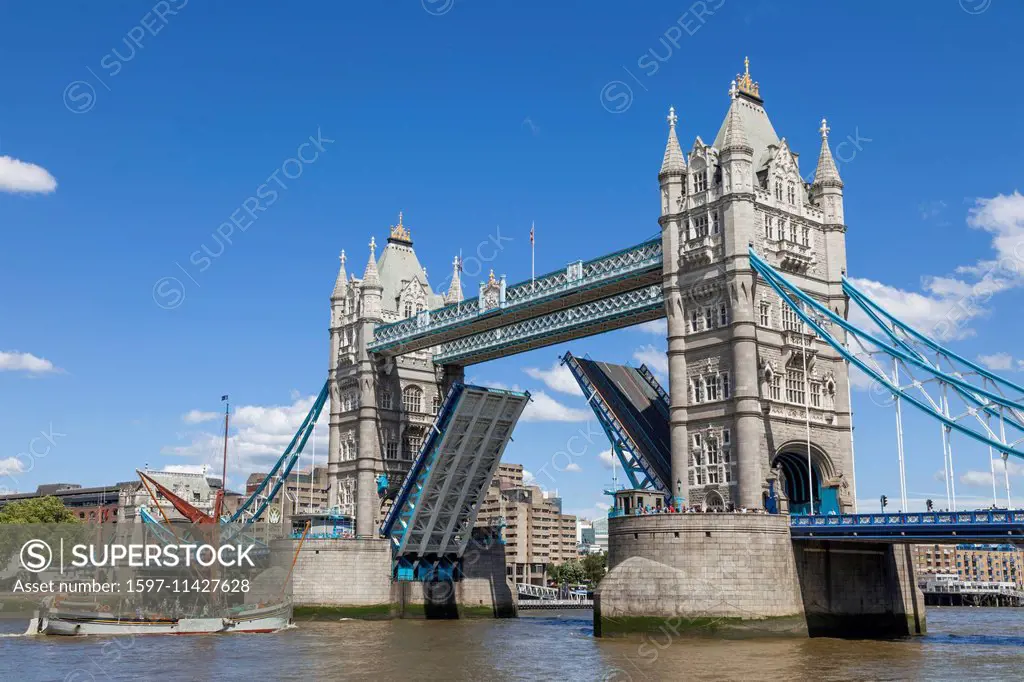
(436, 507)
(632, 408)
(998, 525)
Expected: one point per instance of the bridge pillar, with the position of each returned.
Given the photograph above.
(749, 422)
(451, 374)
(678, 384)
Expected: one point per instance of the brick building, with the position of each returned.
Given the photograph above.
(976, 563)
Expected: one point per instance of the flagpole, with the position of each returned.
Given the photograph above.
(533, 278)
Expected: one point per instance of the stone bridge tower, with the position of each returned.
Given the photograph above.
(380, 411)
(745, 379)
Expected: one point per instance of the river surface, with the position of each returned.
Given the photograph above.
(962, 644)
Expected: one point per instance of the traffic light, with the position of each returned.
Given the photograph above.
(928, 503)
(885, 501)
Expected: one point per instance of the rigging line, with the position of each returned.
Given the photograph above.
(879, 377)
(775, 279)
(907, 329)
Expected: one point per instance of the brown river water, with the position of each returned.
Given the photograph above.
(962, 644)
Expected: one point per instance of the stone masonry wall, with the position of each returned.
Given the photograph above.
(702, 567)
(342, 573)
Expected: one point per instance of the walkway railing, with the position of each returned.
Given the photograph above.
(960, 526)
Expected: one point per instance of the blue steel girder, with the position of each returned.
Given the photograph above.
(988, 525)
(614, 312)
(640, 473)
(924, 374)
(580, 282)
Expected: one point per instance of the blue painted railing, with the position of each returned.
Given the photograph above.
(963, 525)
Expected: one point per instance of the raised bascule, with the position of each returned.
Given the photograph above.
(749, 273)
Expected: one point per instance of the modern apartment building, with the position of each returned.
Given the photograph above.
(536, 532)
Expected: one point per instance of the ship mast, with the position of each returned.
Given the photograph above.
(219, 504)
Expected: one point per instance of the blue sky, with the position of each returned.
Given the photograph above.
(124, 158)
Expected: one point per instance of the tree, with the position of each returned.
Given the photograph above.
(568, 573)
(594, 567)
(47, 509)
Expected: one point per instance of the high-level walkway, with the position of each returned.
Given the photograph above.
(586, 297)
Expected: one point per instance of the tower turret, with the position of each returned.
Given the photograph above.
(454, 294)
(737, 156)
(372, 290)
(672, 175)
(827, 185)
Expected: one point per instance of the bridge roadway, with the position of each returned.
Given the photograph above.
(990, 525)
(587, 297)
(633, 410)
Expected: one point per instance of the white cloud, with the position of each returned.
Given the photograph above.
(528, 477)
(607, 459)
(574, 467)
(1001, 362)
(259, 435)
(603, 506)
(654, 327)
(14, 361)
(977, 478)
(11, 465)
(544, 408)
(656, 360)
(197, 417)
(187, 468)
(19, 176)
(558, 378)
(946, 305)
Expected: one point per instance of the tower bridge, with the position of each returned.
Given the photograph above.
(757, 414)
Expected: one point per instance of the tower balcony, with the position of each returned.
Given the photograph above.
(699, 250)
(794, 256)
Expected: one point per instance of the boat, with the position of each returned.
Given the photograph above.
(69, 616)
(68, 620)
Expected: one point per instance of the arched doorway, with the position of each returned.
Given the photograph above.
(791, 462)
(713, 502)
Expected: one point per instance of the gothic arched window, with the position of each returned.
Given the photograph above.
(412, 399)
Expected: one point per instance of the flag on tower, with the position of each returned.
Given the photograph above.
(532, 259)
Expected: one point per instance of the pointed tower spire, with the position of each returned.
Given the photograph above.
(341, 284)
(673, 163)
(826, 175)
(735, 137)
(454, 294)
(370, 276)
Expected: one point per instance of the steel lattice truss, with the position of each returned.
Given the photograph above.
(630, 268)
(960, 394)
(620, 310)
(436, 507)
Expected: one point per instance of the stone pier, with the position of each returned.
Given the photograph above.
(742, 573)
(352, 579)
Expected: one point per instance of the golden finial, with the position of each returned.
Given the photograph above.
(490, 278)
(399, 232)
(745, 84)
